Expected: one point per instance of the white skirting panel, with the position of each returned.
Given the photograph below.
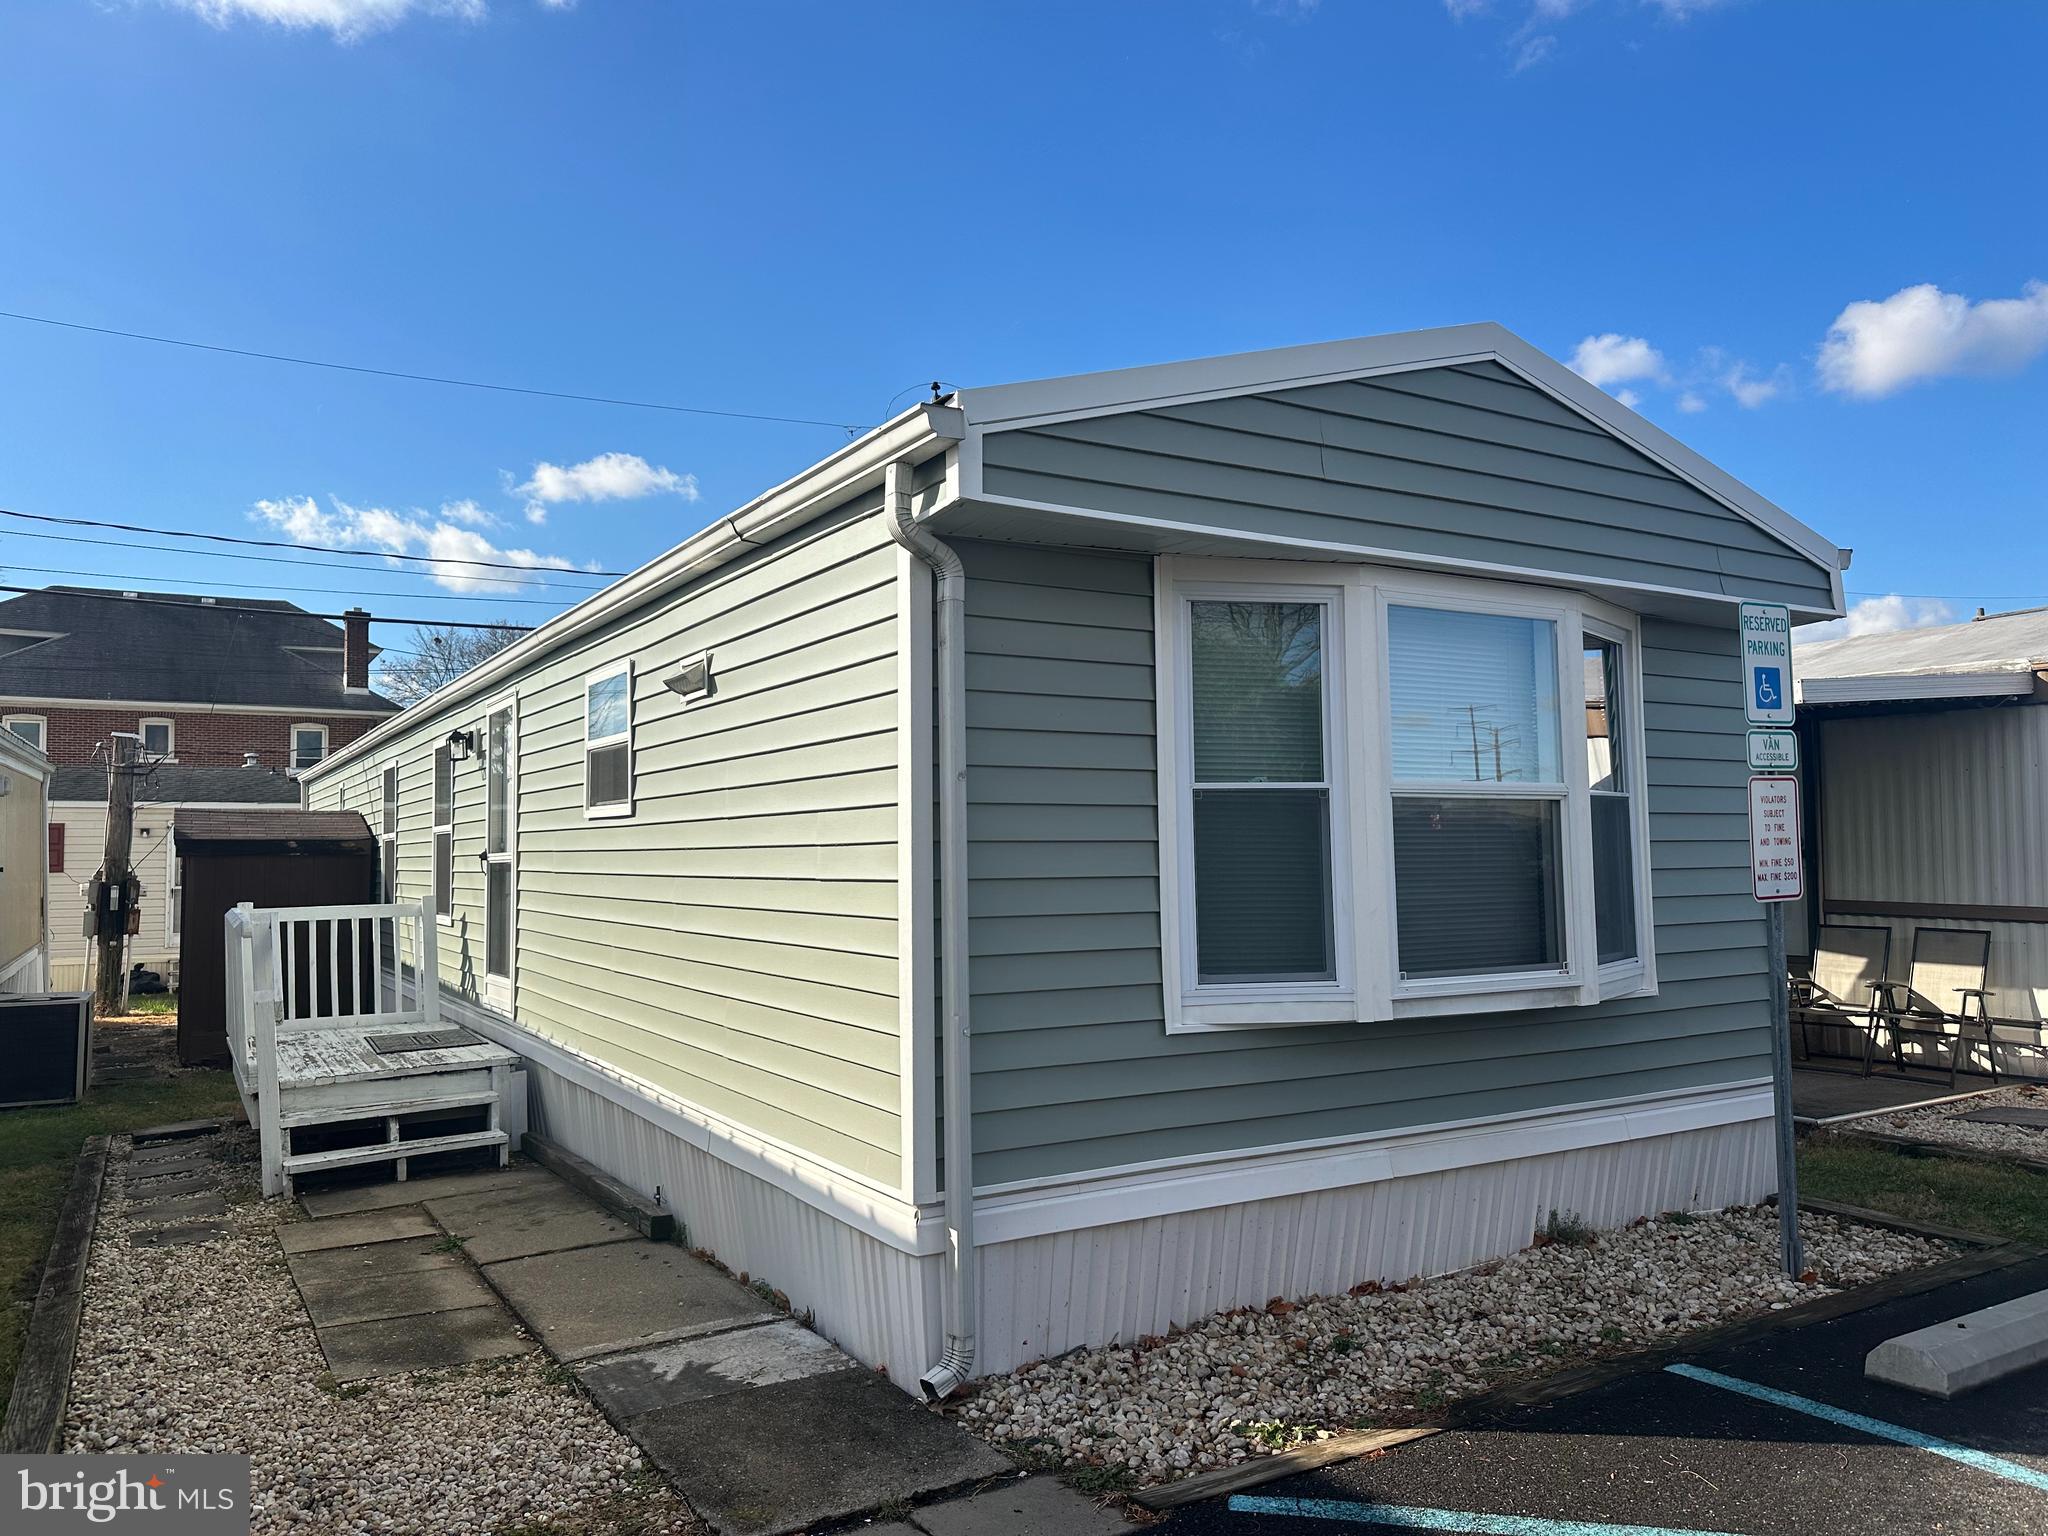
(1041, 1296)
(878, 1303)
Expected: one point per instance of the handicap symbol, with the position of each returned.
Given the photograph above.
(1768, 693)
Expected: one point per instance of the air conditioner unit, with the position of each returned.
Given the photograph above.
(45, 1047)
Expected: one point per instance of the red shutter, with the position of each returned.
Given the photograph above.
(56, 847)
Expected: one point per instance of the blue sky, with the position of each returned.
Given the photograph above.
(1809, 235)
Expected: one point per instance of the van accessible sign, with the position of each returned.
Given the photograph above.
(1766, 630)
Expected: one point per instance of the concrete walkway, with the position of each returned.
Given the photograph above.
(763, 1426)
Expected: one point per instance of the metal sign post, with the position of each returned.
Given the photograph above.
(1777, 873)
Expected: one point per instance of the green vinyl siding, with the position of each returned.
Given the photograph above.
(1073, 1067)
(733, 941)
(1468, 463)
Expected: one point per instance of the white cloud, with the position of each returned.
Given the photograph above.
(1465, 10)
(1534, 51)
(1628, 397)
(1684, 10)
(348, 20)
(1692, 404)
(1879, 616)
(443, 537)
(1751, 390)
(608, 477)
(1611, 358)
(468, 513)
(1877, 346)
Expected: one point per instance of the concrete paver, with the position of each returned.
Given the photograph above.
(179, 1162)
(1021, 1506)
(348, 1199)
(522, 1220)
(179, 1207)
(322, 1265)
(352, 1231)
(179, 1235)
(795, 1454)
(165, 1189)
(408, 1293)
(395, 1345)
(623, 1295)
(626, 1386)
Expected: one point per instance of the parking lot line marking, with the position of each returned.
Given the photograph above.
(1410, 1518)
(1983, 1461)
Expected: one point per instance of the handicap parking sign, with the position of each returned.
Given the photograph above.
(1769, 690)
(1766, 634)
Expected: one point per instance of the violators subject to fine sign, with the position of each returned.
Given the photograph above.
(1776, 870)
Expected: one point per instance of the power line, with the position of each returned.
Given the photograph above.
(320, 549)
(332, 565)
(174, 602)
(429, 378)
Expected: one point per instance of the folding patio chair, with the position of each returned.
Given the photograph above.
(1947, 963)
(2018, 1034)
(1849, 962)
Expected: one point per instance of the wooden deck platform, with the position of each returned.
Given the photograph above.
(312, 998)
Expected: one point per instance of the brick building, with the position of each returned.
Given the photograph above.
(206, 682)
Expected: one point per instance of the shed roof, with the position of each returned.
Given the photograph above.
(180, 784)
(1997, 655)
(305, 830)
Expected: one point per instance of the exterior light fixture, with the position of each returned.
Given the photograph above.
(461, 744)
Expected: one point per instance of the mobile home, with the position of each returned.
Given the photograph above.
(1279, 818)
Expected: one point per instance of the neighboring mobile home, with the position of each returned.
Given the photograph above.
(24, 835)
(1179, 786)
(1926, 769)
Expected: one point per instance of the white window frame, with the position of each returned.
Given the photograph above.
(1636, 977)
(387, 833)
(498, 991)
(442, 753)
(174, 887)
(623, 808)
(170, 752)
(291, 747)
(40, 722)
(1357, 688)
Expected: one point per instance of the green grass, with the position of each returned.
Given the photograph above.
(1941, 1191)
(38, 1148)
(152, 1004)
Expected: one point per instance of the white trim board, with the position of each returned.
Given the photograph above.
(11, 700)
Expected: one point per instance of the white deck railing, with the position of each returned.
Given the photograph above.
(305, 968)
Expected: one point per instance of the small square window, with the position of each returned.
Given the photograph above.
(32, 729)
(159, 737)
(309, 746)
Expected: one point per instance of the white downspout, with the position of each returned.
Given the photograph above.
(956, 1365)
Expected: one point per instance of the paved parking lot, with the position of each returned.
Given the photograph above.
(1715, 1444)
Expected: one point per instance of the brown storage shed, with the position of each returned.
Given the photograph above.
(281, 858)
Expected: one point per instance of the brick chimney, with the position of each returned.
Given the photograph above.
(355, 649)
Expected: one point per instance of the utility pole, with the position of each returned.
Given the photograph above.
(115, 889)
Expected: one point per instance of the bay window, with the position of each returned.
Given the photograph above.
(1385, 794)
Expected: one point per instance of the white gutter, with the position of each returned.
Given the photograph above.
(956, 1365)
(855, 468)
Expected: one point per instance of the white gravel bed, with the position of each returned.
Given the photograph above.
(1944, 1123)
(207, 1348)
(1248, 1383)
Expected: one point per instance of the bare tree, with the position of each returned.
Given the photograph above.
(438, 655)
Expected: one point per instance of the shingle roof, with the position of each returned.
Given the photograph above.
(180, 784)
(175, 649)
(301, 827)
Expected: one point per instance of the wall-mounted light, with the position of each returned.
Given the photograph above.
(692, 681)
(461, 744)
